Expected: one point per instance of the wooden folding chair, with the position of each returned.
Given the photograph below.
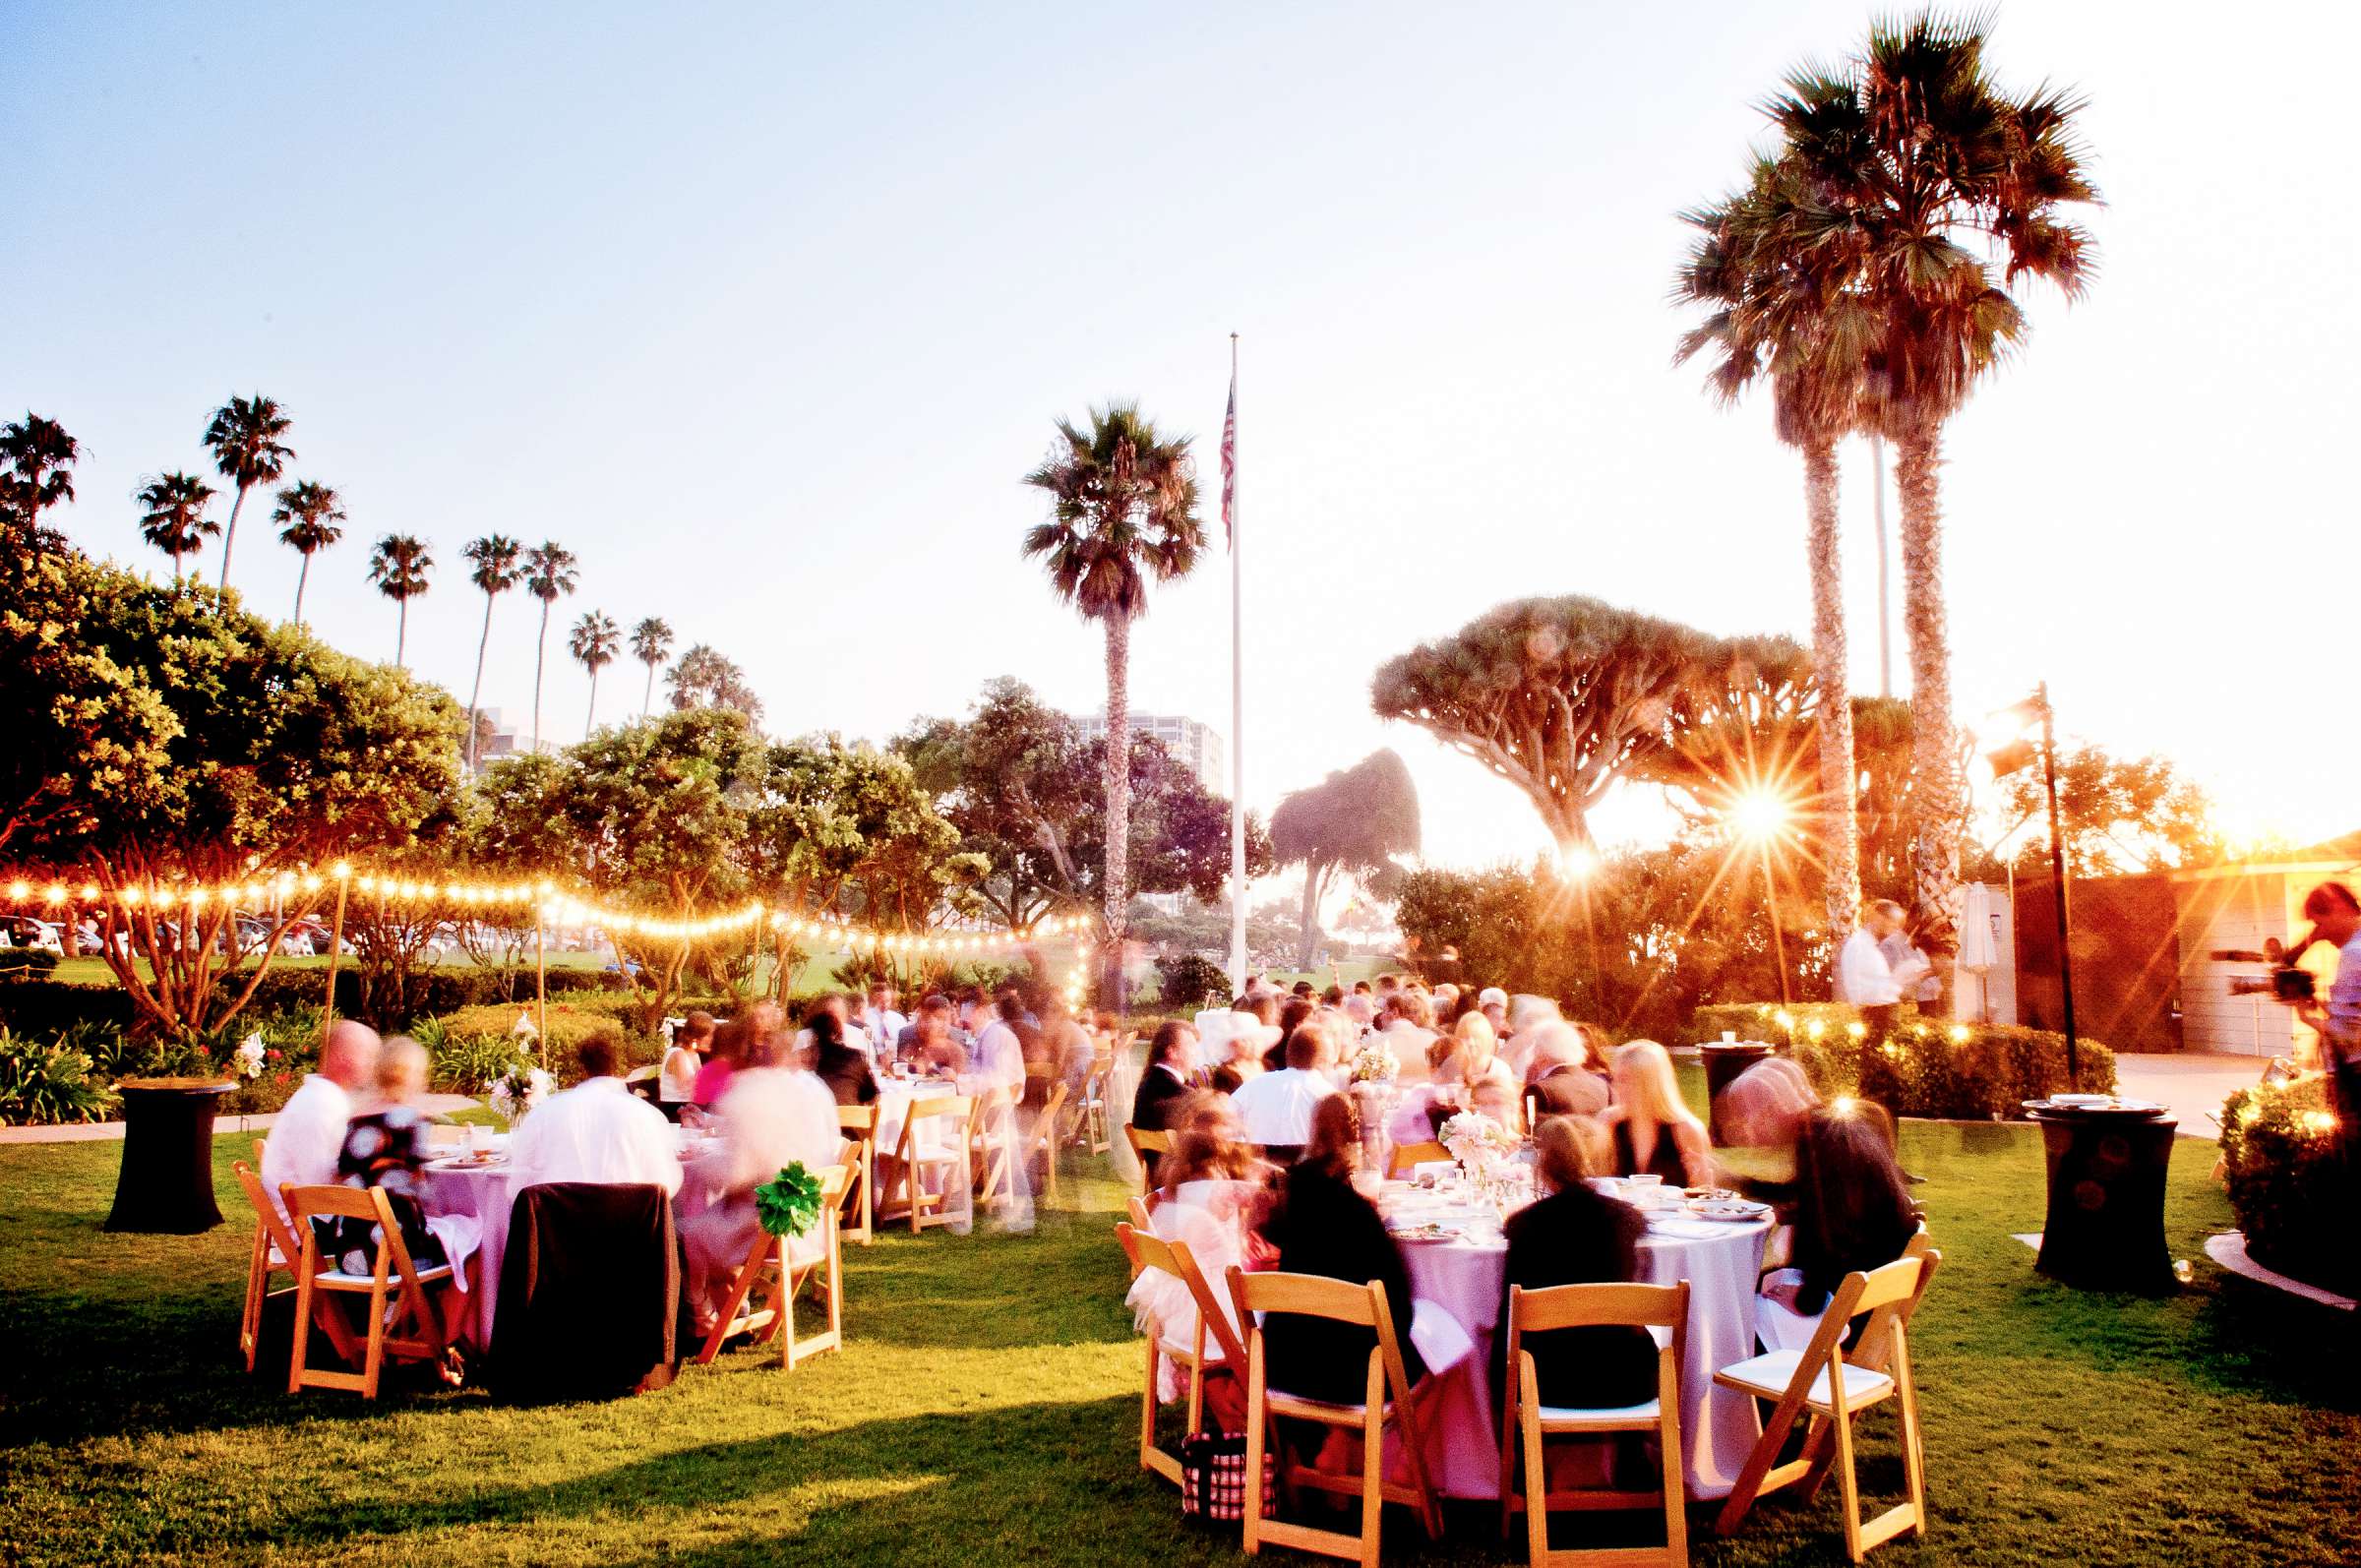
(859, 1125)
(952, 1159)
(995, 1153)
(1147, 1250)
(1526, 1417)
(394, 1281)
(1408, 1157)
(1832, 1387)
(1145, 1141)
(1094, 1124)
(1361, 1307)
(772, 1258)
(274, 1249)
(1044, 1141)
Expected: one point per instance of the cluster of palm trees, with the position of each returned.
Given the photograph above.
(1846, 274)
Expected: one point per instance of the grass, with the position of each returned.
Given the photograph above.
(981, 1414)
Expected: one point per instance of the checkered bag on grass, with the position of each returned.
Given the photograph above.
(1213, 1477)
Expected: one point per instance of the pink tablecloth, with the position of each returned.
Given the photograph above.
(1717, 1427)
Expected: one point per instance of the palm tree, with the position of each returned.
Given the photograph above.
(36, 458)
(495, 571)
(1923, 158)
(398, 568)
(595, 642)
(548, 572)
(244, 439)
(651, 640)
(308, 514)
(1122, 510)
(1775, 310)
(176, 522)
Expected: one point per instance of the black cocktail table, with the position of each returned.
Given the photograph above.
(166, 1183)
(2105, 1225)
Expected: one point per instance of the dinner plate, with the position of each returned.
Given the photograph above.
(467, 1162)
(1427, 1232)
(1729, 1209)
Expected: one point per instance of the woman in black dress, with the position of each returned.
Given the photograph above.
(387, 1149)
(1852, 1208)
(1576, 1237)
(842, 1069)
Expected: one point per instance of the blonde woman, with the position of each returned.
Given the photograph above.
(1481, 1070)
(1655, 1133)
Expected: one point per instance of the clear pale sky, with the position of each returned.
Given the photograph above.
(763, 311)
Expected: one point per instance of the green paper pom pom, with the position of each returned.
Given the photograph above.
(789, 1204)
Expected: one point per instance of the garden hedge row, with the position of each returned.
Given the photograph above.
(45, 1008)
(2279, 1167)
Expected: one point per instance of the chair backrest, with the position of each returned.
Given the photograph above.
(1153, 1251)
(956, 1107)
(266, 1211)
(1593, 1305)
(862, 1119)
(1408, 1154)
(392, 1256)
(1148, 1140)
(1139, 1211)
(1045, 1129)
(1881, 1295)
(1316, 1296)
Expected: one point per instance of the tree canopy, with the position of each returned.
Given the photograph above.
(1354, 822)
(703, 678)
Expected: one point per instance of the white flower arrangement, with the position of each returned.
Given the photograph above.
(1477, 1141)
(520, 1088)
(248, 1057)
(1376, 1062)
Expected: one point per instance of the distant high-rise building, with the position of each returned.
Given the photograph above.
(1197, 747)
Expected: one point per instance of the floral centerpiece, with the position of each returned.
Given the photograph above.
(1374, 1063)
(520, 1088)
(1478, 1142)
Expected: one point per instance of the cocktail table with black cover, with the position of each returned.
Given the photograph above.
(2106, 1225)
(166, 1181)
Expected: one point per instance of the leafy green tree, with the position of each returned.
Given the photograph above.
(1123, 512)
(549, 572)
(2117, 814)
(174, 520)
(705, 678)
(309, 515)
(245, 438)
(847, 830)
(1354, 823)
(37, 469)
(651, 641)
(595, 642)
(398, 567)
(493, 568)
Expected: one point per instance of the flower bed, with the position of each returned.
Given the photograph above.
(2279, 1164)
(1926, 1068)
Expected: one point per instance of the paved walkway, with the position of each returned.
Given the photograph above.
(97, 1131)
(2194, 1084)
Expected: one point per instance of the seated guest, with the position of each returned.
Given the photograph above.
(1212, 1166)
(1851, 1208)
(385, 1149)
(1172, 1064)
(1276, 1108)
(308, 1138)
(1655, 1132)
(1409, 1024)
(595, 1131)
(1246, 1052)
(772, 1116)
(721, 1060)
(881, 1022)
(1478, 1059)
(676, 1084)
(845, 1070)
(999, 1054)
(1764, 1106)
(1212, 1201)
(1492, 1002)
(1321, 1226)
(935, 1005)
(1563, 1071)
(1072, 1051)
(1573, 1235)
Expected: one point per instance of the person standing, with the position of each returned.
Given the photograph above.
(2336, 915)
(1172, 1063)
(1865, 978)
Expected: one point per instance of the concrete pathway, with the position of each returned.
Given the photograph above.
(2193, 1084)
(99, 1131)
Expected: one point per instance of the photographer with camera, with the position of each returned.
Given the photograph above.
(2336, 915)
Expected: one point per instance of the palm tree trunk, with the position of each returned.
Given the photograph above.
(303, 575)
(229, 536)
(1839, 836)
(475, 692)
(401, 633)
(1934, 802)
(648, 699)
(590, 719)
(1119, 772)
(177, 579)
(540, 650)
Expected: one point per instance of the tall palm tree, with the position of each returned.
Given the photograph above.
(495, 571)
(398, 567)
(1775, 310)
(548, 572)
(594, 643)
(176, 522)
(1927, 160)
(36, 458)
(244, 439)
(651, 640)
(308, 514)
(1122, 512)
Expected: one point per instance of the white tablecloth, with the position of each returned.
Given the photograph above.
(1718, 1426)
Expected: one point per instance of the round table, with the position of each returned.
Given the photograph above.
(2104, 1230)
(165, 1184)
(1718, 1427)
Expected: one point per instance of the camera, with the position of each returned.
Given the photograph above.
(2286, 983)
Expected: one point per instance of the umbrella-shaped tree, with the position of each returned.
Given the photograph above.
(549, 571)
(398, 565)
(244, 437)
(1123, 512)
(173, 519)
(36, 462)
(1354, 823)
(492, 568)
(595, 642)
(308, 514)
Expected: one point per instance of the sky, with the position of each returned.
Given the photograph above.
(763, 311)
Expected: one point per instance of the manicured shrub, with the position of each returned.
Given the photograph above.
(1189, 981)
(27, 963)
(43, 1085)
(2279, 1165)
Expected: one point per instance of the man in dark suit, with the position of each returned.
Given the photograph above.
(1172, 1065)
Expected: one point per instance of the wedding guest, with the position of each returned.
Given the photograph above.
(772, 1116)
(1563, 1071)
(938, 1050)
(1212, 1166)
(1655, 1133)
(308, 1137)
(1246, 1053)
(387, 1149)
(999, 1054)
(721, 1060)
(1172, 1064)
(845, 1070)
(1277, 1107)
(1407, 1020)
(1852, 1207)
(1572, 1236)
(1765, 1106)
(1072, 1051)
(1321, 1226)
(676, 1084)
(1492, 1002)
(881, 1022)
(935, 1005)
(596, 1132)
(1478, 1057)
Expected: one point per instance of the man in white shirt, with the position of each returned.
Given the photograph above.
(596, 1132)
(1275, 1109)
(999, 1056)
(306, 1140)
(881, 1023)
(1864, 977)
(771, 1117)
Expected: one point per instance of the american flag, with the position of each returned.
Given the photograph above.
(1230, 464)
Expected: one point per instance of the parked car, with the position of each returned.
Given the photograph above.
(23, 931)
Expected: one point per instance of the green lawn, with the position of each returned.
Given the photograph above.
(981, 1414)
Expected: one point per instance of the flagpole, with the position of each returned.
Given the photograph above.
(1238, 704)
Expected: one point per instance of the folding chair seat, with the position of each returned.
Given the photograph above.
(936, 1139)
(782, 1266)
(1525, 1418)
(412, 1330)
(1145, 1141)
(1829, 1386)
(274, 1251)
(1093, 1124)
(996, 1151)
(1408, 1157)
(1385, 1402)
(1147, 1250)
(859, 1125)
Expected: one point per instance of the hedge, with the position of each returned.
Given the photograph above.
(1965, 1072)
(2279, 1165)
(45, 1008)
